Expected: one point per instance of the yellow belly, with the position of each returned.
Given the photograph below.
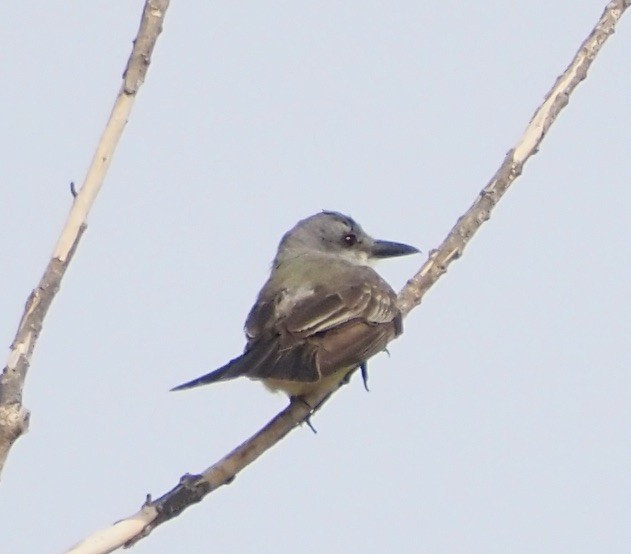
(298, 388)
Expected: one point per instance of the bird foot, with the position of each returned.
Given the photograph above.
(307, 419)
(364, 371)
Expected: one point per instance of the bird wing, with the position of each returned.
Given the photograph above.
(325, 310)
(306, 334)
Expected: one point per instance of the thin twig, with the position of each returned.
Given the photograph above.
(193, 488)
(14, 418)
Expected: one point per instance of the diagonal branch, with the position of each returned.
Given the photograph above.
(193, 488)
(14, 418)
(511, 168)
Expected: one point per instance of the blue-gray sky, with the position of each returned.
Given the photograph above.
(500, 422)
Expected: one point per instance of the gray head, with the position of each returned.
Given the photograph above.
(338, 235)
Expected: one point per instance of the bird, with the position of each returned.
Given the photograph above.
(323, 312)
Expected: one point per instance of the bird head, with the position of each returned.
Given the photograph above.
(338, 235)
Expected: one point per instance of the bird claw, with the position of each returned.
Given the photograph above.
(364, 371)
(307, 419)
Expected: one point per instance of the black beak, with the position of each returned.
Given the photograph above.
(387, 249)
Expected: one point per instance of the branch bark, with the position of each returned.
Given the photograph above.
(14, 418)
(193, 488)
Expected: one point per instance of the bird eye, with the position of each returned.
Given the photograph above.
(350, 239)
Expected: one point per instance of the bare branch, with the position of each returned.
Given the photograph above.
(14, 417)
(556, 99)
(192, 488)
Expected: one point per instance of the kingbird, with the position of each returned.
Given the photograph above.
(323, 311)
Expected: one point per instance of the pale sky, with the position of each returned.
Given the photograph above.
(501, 420)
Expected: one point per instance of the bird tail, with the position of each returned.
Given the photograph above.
(264, 361)
(234, 368)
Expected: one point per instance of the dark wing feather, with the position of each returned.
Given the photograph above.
(353, 344)
(323, 331)
(324, 310)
